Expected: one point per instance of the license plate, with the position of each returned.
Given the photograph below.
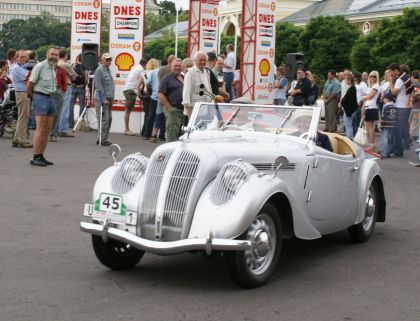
(111, 204)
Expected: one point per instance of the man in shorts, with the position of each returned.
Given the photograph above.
(41, 87)
(131, 91)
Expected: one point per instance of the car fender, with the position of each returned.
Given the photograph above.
(233, 218)
(103, 184)
(370, 169)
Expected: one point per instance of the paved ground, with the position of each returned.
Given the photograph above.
(48, 270)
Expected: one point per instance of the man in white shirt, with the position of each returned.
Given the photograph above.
(398, 89)
(131, 91)
(229, 68)
(196, 76)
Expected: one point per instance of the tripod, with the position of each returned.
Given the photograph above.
(88, 105)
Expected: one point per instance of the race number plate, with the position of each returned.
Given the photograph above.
(110, 204)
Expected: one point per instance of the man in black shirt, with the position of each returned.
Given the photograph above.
(302, 90)
(170, 96)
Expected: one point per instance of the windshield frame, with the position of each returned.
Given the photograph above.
(313, 127)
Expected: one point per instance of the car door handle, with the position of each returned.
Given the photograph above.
(355, 168)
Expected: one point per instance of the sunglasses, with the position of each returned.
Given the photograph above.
(372, 76)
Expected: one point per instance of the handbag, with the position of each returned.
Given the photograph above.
(361, 137)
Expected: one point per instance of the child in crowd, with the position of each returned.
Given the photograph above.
(387, 124)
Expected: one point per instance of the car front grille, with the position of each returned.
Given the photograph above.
(173, 196)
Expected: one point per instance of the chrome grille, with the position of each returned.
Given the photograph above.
(225, 188)
(178, 194)
(272, 166)
(128, 174)
(154, 175)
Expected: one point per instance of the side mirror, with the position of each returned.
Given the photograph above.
(114, 151)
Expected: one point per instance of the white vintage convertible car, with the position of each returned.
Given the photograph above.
(240, 180)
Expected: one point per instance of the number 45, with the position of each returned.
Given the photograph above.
(112, 202)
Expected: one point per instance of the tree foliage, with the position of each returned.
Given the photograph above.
(34, 33)
(165, 46)
(326, 43)
(167, 9)
(395, 40)
(287, 40)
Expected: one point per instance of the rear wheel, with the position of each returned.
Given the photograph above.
(254, 267)
(361, 232)
(116, 255)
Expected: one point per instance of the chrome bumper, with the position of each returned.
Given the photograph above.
(207, 244)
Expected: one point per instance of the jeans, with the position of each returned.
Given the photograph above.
(357, 117)
(401, 124)
(348, 124)
(146, 109)
(279, 102)
(65, 112)
(58, 96)
(228, 79)
(76, 92)
(106, 119)
(150, 120)
(386, 141)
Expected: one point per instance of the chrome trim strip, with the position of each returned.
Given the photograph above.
(166, 248)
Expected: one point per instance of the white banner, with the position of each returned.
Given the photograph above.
(125, 41)
(85, 25)
(209, 25)
(265, 51)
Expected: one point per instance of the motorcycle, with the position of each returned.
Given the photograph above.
(8, 113)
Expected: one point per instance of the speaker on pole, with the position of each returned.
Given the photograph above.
(90, 55)
(292, 62)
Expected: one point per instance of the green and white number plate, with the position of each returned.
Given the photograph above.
(111, 207)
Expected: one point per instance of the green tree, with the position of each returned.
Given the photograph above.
(105, 32)
(167, 8)
(287, 40)
(326, 43)
(20, 34)
(361, 56)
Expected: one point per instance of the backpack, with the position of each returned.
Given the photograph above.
(78, 69)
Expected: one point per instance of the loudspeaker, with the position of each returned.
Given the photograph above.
(292, 62)
(90, 55)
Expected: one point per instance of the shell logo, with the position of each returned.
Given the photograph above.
(270, 87)
(124, 61)
(264, 67)
(273, 6)
(136, 46)
(271, 53)
(215, 12)
(96, 4)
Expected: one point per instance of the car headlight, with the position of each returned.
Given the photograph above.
(229, 180)
(133, 167)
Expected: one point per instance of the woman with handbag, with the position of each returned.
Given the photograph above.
(370, 108)
(350, 105)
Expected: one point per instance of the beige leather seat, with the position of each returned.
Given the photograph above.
(342, 145)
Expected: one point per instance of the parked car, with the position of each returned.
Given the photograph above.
(240, 180)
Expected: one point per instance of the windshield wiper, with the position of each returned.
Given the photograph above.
(284, 121)
(230, 118)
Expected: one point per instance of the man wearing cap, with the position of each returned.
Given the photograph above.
(104, 96)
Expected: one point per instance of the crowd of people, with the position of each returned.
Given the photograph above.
(389, 106)
(47, 93)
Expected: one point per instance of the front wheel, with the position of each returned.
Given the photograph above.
(254, 267)
(361, 232)
(116, 255)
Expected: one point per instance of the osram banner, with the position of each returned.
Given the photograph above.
(265, 49)
(85, 25)
(125, 41)
(209, 25)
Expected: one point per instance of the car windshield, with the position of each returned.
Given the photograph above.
(286, 120)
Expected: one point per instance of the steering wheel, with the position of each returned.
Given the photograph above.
(236, 127)
(304, 135)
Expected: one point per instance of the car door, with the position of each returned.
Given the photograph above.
(331, 186)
